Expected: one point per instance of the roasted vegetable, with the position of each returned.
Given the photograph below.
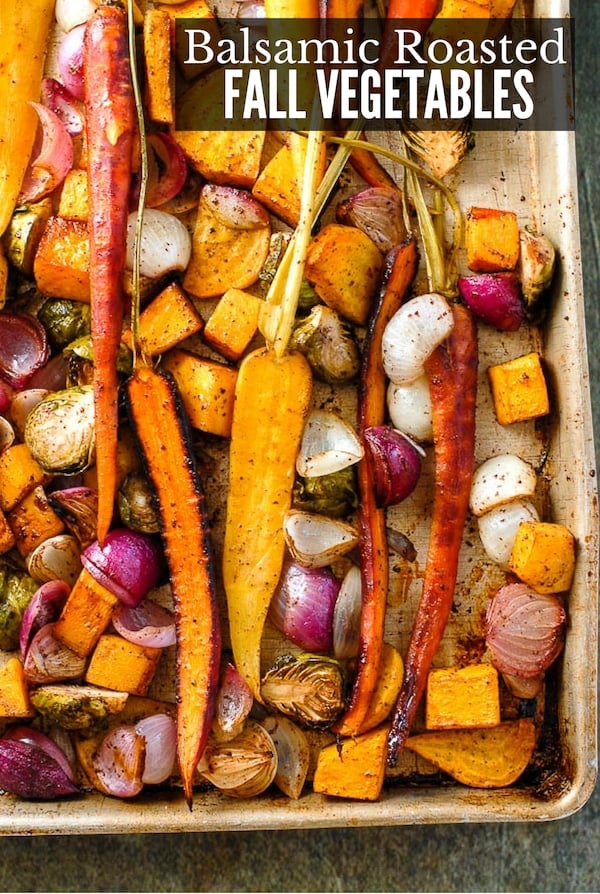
(25, 29)
(353, 768)
(482, 758)
(401, 266)
(65, 321)
(60, 431)
(275, 393)
(462, 697)
(452, 373)
(308, 688)
(158, 420)
(82, 708)
(16, 590)
(110, 125)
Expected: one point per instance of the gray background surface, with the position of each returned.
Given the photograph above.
(560, 856)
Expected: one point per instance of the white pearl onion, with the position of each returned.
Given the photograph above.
(409, 407)
(498, 528)
(412, 334)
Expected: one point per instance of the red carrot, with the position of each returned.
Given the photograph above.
(412, 9)
(159, 423)
(401, 267)
(110, 125)
(452, 373)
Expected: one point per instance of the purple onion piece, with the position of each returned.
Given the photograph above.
(495, 298)
(302, 606)
(23, 348)
(396, 464)
(129, 564)
(30, 772)
(146, 624)
(44, 607)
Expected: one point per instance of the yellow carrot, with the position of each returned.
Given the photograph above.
(271, 402)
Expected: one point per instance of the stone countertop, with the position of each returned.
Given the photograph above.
(558, 856)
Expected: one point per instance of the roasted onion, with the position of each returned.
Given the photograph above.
(524, 630)
(302, 606)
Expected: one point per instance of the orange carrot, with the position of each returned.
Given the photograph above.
(159, 421)
(452, 374)
(401, 267)
(110, 124)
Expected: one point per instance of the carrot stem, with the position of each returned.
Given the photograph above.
(452, 373)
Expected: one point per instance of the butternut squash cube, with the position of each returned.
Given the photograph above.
(207, 390)
(343, 264)
(157, 59)
(74, 203)
(353, 768)
(233, 323)
(462, 697)
(14, 694)
(224, 255)
(119, 664)
(278, 185)
(19, 474)
(170, 318)
(543, 556)
(62, 260)
(230, 157)
(85, 615)
(491, 240)
(7, 538)
(33, 520)
(519, 389)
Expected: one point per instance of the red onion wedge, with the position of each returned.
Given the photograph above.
(44, 607)
(23, 348)
(31, 736)
(160, 737)
(302, 606)
(51, 159)
(31, 772)
(70, 61)
(524, 630)
(119, 762)
(167, 169)
(60, 101)
(396, 464)
(129, 564)
(47, 660)
(495, 298)
(145, 624)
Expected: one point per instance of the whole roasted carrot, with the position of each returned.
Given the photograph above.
(452, 373)
(158, 421)
(110, 125)
(400, 270)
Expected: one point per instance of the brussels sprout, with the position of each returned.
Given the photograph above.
(308, 687)
(537, 262)
(327, 342)
(16, 590)
(65, 321)
(80, 357)
(81, 708)
(334, 495)
(136, 504)
(60, 431)
(24, 232)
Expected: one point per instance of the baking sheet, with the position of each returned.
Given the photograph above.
(535, 175)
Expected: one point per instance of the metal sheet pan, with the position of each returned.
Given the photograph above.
(534, 174)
